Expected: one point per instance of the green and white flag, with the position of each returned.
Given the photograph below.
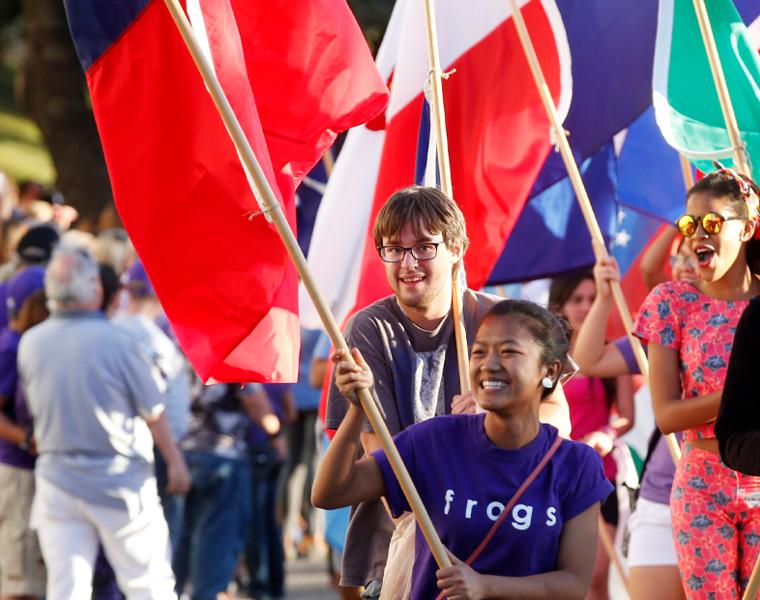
(685, 99)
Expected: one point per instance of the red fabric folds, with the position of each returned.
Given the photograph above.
(295, 76)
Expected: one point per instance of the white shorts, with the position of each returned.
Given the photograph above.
(651, 543)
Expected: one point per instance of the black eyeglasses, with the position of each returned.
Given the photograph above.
(711, 222)
(419, 252)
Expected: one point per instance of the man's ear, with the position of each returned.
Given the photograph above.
(456, 249)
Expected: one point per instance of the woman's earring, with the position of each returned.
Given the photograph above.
(547, 383)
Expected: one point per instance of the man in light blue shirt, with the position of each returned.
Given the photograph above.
(96, 402)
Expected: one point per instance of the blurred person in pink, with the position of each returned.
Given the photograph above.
(600, 409)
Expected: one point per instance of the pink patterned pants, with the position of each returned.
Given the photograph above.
(716, 525)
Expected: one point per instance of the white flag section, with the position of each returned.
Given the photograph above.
(340, 228)
(339, 239)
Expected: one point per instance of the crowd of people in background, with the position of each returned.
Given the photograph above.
(122, 475)
(139, 480)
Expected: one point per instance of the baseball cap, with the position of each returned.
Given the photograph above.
(136, 281)
(37, 244)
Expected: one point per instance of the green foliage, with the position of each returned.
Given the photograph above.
(372, 16)
(23, 154)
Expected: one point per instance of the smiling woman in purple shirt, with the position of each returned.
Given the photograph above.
(467, 468)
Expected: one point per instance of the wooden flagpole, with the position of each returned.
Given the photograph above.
(436, 88)
(444, 168)
(740, 156)
(575, 178)
(609, 548)
(329, 162)
(686, 172)
(753, 587)
(271, 207)
(583, 200)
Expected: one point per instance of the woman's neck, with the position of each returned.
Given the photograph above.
(511, 431)
(737, 284)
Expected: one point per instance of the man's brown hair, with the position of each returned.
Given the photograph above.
(421, 207)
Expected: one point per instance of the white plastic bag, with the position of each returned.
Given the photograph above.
(397, 580)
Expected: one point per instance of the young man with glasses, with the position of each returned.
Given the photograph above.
(407, 339)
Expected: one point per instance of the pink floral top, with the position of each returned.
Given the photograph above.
(677, 315)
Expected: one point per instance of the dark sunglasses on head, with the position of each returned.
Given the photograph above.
(711, 222)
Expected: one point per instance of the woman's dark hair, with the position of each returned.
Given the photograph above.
(109, 280)
(722, 184)
(550, 331)
(562, 288)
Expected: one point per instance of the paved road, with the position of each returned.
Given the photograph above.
(307, 579)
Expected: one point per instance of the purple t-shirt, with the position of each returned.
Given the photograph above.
(464, 481)
(3, 308)
(623, 344)
(10, 454)
(657, 480)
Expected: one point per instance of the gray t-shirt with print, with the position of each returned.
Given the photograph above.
(416, 376)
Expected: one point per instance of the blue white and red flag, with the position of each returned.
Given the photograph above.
(499, 165)
(640, 190)
(491, 103)
(635, 185)
(634, 182)
(295, 75)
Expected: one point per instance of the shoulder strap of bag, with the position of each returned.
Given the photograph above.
(508, 508)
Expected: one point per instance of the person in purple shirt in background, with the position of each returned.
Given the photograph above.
(267, 449)
(467, 467)
(33, 249)
(23, 578)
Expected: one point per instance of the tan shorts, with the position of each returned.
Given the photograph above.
(22, 572)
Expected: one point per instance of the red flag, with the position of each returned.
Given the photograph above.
(295, 75)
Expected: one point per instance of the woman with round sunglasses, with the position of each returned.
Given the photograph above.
(689, 328)
(651, 559)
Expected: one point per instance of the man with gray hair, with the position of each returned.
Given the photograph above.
(96, 401)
